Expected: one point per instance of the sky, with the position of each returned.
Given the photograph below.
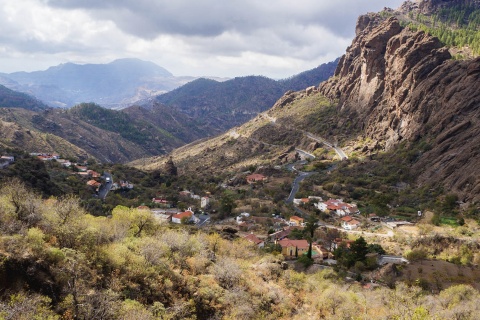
(221, 38)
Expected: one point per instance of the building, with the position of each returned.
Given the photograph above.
(187, 216)
(296, 221)
(338, 207)
(349, 223)
(204, 201)
(254, 239)
(301, 201)
(293, 248)
(256, 177)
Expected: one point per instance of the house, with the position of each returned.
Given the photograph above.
(204, 201)
(301, 201)
(339, 241)
(254, 239)
(338, 207)
(81, 168)
(296, 221)
(163, 217)
(186, 216)
(241, 218)
(293, 248)
(8, 158)
(349, 223)
(93, 174)
(322, 251)
(256, 177)
(93, 183)
(65, 163)
(159, 201)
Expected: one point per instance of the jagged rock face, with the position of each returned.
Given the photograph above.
(396, 84)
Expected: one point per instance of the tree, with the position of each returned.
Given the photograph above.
(310, 227)
(359, 249)
(227, 203)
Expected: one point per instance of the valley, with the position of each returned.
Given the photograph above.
(348, 191)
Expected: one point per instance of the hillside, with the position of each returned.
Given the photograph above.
(14, 99)
(395, 90)
(219, 106)
(59, 262)
(395, 84)
(56, 131)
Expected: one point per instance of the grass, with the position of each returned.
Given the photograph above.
(450, 221)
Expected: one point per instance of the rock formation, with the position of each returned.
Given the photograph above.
(396, 84)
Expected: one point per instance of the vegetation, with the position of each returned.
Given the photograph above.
(141, 133)
(13, 99)
(456, 25)
(60, 262)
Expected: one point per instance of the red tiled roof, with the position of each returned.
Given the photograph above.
(256, 177)
(347, 219)
(181, 215)
(253, 238)
(296, 218)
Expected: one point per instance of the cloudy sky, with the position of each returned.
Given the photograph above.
(223, 38)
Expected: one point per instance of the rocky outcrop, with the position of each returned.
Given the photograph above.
(395, 84)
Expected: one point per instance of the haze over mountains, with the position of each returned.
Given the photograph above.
(117, 84)
(155, 126)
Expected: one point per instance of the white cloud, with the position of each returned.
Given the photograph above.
(204, 37)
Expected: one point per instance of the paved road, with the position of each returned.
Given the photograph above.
(338, 150)
(105, 187)
(299, 178)
(304, 154)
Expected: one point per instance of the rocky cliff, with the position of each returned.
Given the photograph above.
(394, 85)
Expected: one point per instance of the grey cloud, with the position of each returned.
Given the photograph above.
(150, 18)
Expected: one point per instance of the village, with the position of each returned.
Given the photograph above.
(342, 221)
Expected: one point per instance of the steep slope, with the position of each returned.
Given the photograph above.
(145, 134)
(219, 106)
(12, 135)
(269, 138)
(58, 126)
(395, 89)
(177, 126)
(395, 84)
(14, 99)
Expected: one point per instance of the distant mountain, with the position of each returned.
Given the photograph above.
(219, 106)
(14, 99)
(117, 84)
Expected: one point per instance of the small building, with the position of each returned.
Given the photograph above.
(301, 201)
(8, 158)
(293, 248)
(254, 239)
(204, 201)
(349, 223)
(338, 207)
(256, 177)
(187, 215)
(93, 183)
(296, 221)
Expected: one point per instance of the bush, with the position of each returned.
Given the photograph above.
(305, 261)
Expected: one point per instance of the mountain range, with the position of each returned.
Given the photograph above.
(396, 88)
(196, 110)
(113, 85)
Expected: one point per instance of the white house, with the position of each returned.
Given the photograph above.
(348, 223)
(204, 201)
(188, 214)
